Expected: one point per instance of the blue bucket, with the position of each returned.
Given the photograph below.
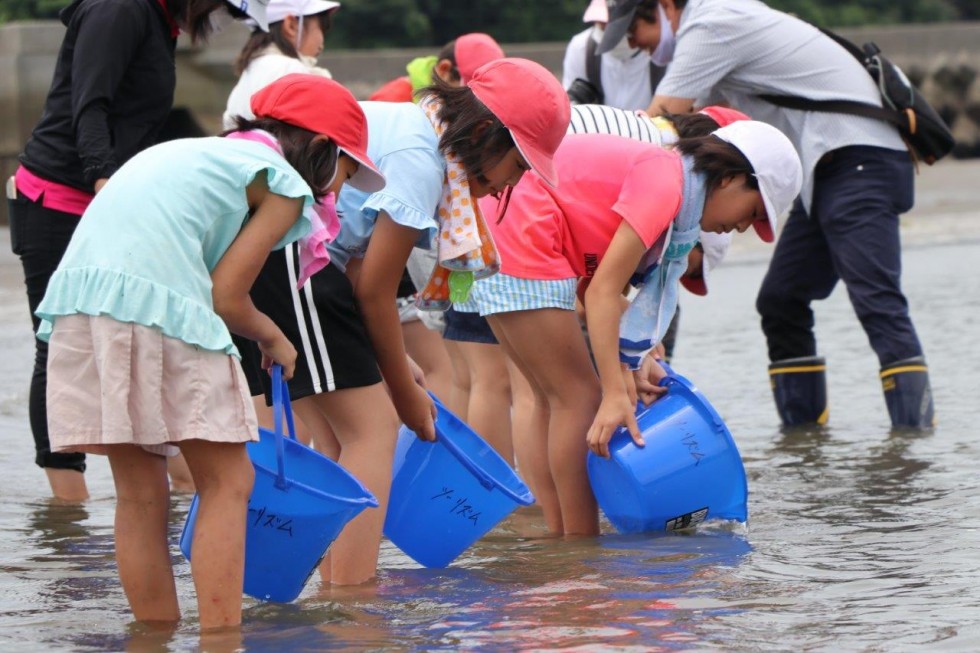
(689, 471)
(447, 494)
(300, 502)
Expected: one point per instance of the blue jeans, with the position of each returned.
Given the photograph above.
(851, 235)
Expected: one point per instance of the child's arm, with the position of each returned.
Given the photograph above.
(376, 292)
(603, 309)
(235, 273)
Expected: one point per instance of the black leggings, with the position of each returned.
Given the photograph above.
(39, 236)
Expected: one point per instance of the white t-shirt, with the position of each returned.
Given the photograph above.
(264, 69)
(625, 84)
(739, 49)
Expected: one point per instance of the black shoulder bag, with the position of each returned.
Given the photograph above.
(925, 133)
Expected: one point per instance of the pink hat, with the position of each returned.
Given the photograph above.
(713, 247)
(533, 106)
(474, 50)
(299, 98)
(597, 12)
(723, 115)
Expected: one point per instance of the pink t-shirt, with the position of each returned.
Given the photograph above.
(558, 233)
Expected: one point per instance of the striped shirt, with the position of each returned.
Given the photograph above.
(600, 119)
(739, 49)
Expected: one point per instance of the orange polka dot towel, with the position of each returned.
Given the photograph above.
(466, 249)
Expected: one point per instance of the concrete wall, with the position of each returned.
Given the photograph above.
(942, 59)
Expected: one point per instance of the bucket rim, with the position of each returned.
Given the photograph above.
(524, 498)
(367, 498)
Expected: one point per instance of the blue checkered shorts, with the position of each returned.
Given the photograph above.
(503, 293)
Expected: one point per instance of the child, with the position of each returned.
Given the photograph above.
(455, 64)
(344, 321)
(291, 45)
(631, 215)
(112, 90)
(529, 447)
(450, 365)
(142, 361)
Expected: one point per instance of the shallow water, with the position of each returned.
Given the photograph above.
(859, 538)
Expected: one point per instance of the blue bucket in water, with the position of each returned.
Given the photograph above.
(300, 502)
(447, 494)
(689, 471)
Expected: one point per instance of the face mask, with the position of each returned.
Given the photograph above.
(665, 49)
(597, 32)
(623, 51)
(220, 19)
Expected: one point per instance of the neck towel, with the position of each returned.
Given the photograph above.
(646, 319)
(466, 249)
(324, 222)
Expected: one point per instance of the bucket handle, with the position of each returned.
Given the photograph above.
(485, 479)
(280, 407)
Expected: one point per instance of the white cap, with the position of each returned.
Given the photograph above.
(776, 164)
(714, 247)
(256, 10)
(597, 12)
(279, 9)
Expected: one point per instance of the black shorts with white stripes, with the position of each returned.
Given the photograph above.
(321, 320)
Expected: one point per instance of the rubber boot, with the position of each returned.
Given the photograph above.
(908, 394)
(799, 386)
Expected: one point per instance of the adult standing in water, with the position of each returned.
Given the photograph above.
(112, 89)
(858, 181)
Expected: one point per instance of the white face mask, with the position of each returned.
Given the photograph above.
(623, 51)
(220, 19)
(665, 49)
(597, 32)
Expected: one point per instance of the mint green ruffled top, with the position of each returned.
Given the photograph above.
(147, 244)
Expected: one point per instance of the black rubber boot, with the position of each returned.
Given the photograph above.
(799, 386)
(908, 394)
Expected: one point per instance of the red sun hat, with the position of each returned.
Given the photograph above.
(474, 50)
(324, 107)
(531, 104)
(724, 116)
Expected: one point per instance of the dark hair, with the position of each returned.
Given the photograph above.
(647, 10)
(448, 52)
(463, 114)
(195, 16)
(690, 125)
(314, 160)
(718, 160)
(259, 40)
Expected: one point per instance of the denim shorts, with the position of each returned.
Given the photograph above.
(467, 327)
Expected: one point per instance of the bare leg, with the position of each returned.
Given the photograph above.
(459, 397)
(67, 484)
(426, 348)
(548, 347)
(365, 425)
(326, 443)
(264, 414)
(223, 475)
(142, 552)
(530, 434)
(488, 412)
(180, 475)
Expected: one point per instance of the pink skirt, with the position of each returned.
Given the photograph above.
(112, 382)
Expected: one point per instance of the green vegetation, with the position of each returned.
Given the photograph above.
(401, 23)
